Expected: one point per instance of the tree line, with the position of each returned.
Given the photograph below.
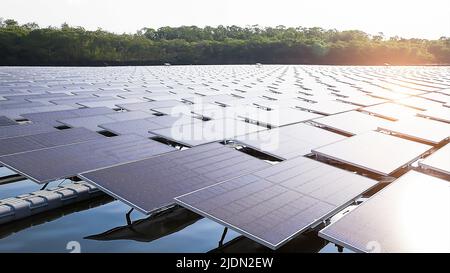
(29, 44)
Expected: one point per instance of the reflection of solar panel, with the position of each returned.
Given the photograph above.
(23, 130)
(20, 144)
(289, 141)
(373, 151)
(64, 161)
(152, 183)
(397, 219)
(439, 161)
(419, 128)
(274, 205)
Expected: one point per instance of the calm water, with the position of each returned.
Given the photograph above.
(99, 225)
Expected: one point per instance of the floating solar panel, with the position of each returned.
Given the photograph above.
(18, 112)
(143, 126)
(194, 134)
(419, 128)
(274, 205)
(151, 184)
(326, 107)
(352, 122)
(4, 121)
(52, 117)
(391, 111)
(438, 161)
(439, 97)
(439, 113)
(93, 122)
(289, 141)
(374, 151)
(109, 103)
(65, 161)
(398, 218)
(419, 103)
(147, 106)
(274, 118)
(20, 144)
(75, 100)
(23, 130)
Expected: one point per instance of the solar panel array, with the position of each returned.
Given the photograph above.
(372, 122)
(153, 183)
(65, 161)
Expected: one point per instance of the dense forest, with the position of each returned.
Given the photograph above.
(29, 44)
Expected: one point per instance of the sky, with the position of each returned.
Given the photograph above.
(406, 18)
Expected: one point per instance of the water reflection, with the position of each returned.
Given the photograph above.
(52, 215)
(151, 228)
(308, 242)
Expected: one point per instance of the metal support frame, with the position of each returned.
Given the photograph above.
(45, 186)
(225, 230)
(129, 222)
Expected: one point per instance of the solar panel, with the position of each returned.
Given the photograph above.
(143, 126)
(20, 144)
(398, 218)
(275, 118)
(198, 133)
(108, 103)
(18, 112)
(274, 205)
(327, 107)
(23, 130)
(439, 97)
(419, 128)
(289, 141)
(438, 113)
(391, 111)
(93, 122)
(374, 151)
(152, 183)
(65, 161)
(146, 106)
(73, 101)
(4, 121)
(352, 122)
(438, 161)
(419, 103)
(52, 117)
